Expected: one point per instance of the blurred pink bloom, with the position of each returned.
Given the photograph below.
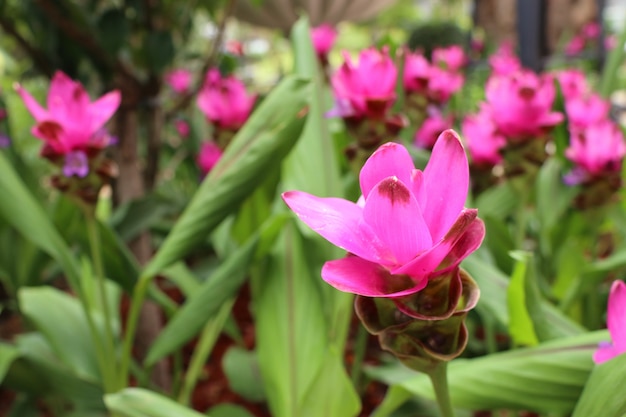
(179, 80)
(616, 323)
(443, 83)
(323, 38)
(573, 83)
(482, 138)
(587, 110)
(451, 58)
(409, 226)
(576, 45)
(610, 42)
(234, 47)
(224, 101)
(431, 128)
(521, 104)
(71, 122)
(598, 149)
(416, 73)
(208, 156)
(3, 114)
(591, 30)
(182, 127)
(368, 86)
(477, 45)
(504, 61)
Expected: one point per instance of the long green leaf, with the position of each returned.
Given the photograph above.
(603, 394)
(23, 211)
(548, 378)
(137, 402)
(264, 140)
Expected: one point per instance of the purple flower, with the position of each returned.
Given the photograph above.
(76, 163)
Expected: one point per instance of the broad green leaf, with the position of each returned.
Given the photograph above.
(138, 402)
(521, 327)
(548, 378)
(228, 410)
(603, 393)
(8, 354)
(23, 211)
(242, 370)
(498, 202)
(61, 319)
(264, 140)
(331, 393)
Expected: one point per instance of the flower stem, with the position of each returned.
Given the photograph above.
(359, 355)
(139, 294)
(439, 379)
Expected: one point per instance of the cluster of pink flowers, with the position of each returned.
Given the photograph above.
(72, 127)
(597, 145)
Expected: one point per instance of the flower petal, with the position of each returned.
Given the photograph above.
(395, 217)
(341, 223)
(616, 315)
(389, 160)
(605, 353)
(358, 276)
(428, 262)
(102, 109)
(38, 112)
(445, 185)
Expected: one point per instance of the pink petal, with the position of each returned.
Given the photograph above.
(605, 353)
(394, 215)
(446, 181)
(68, 102)
(389, 160)
(358, 276)
(38, 112)
(616, 315)
(102, 109)
(428, 262)
(341, 223)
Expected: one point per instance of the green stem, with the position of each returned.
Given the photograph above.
(359, 354)
(207, 340)
(439, 379)
(96, 257)
(490, 334)
(139, 294)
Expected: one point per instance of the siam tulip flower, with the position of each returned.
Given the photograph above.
(367, 87)
(442, 84)
(434, 82)
(573, 83)
(616, 323)
(323, 38)
(598, 149)
(576, 45)
(504, 61)
(591, 30)
(208, 156)
(610, 42)
(416, 73)
(179, 80)
(408, 227)
(182, 127)
(482, 138)
(433, 126)
(521, 104)
(585, 111)
(451, 58)
(224, 101)
(72, 123)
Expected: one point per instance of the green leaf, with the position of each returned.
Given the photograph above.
(113, 30)
(498, 202)
(159, 50)
(228, 410)
(8, 354)
(137, 402)
(136, 216)
(553, 197)
(602, 394)
(548, 378)
(61, 319)
(242, 370)
(24, 212)
(265, 139)
(521, 326)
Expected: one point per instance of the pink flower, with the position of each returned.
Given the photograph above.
(573, 83)
(521, 104)
(482, 138)
(71, 122)
(610, 42)
(616, 323)
(208, 156)
(443, 83)
(367, 86)
(433, 126)
(416, 73)
(408, 227)
(323, 38)
(432, 81)
(591, 30)
(182, 127)
(224, 101)
(451, 58)
(584, 111)
(504, 61)
(576, 45)
(179, 80)
(598, 149)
